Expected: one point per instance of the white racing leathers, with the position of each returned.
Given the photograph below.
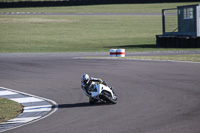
(88, 87)
(97, 90)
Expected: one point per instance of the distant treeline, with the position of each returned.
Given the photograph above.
(80, 2)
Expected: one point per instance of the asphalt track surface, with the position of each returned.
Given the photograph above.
(153, 96)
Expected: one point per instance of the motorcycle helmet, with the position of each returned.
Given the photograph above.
(85, 78)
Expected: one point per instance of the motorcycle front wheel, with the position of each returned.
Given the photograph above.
(106, 96)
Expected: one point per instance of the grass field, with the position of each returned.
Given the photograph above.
(112, 8)
(77, 33)
(9, 109)
(186, 57)
(34, 34)
(192, 57)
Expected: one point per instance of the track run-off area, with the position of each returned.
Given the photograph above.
(86, 14)
(153, 96)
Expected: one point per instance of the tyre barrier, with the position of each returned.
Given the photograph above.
(117, 52)
(121, 53)
(50, 3)
(177, 41)
(113, 52)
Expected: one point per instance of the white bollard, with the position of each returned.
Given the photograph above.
(120, 52)
(113, 52)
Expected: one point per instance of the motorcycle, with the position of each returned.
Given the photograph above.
(102, 93)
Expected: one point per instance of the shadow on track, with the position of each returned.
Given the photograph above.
(84, 104)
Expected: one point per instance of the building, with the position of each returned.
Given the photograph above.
(181, 27)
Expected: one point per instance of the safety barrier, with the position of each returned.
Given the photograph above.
(117, 52)
(121, 53)
(113, 52)
(80, 2)
(178, 41)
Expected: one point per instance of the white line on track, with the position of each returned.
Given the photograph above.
(22, 120)
(37, 108)
(32, 98)
(114, 58)
(5, 93)
(26, 100)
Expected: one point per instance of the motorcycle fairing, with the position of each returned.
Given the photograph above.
(99, 89)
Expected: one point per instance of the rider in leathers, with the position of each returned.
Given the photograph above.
(87, 84)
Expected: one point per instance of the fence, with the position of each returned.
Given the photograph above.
(170, 21)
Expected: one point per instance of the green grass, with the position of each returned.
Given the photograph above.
(192, 57)
(36, 34)
(112, 8)
(76, 33)
(9, 109)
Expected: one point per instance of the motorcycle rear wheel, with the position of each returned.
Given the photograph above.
(92, 101)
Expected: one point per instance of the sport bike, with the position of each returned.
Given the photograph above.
(102, 93)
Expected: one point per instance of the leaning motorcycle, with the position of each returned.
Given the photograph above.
(102, 93)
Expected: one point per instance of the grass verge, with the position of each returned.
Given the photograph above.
(39, 34)
(9, 109)
(43, 33)
(110, 8)
(33, 34)
(191, 57)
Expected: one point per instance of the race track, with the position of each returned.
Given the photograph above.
(153, 96)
